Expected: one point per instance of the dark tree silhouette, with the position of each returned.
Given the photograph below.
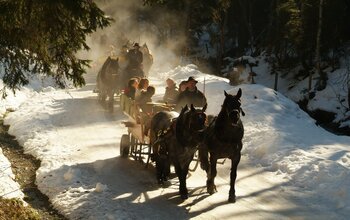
(42, 37)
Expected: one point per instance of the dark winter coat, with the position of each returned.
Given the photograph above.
(187, 97)
(135, 58)
(171, 95)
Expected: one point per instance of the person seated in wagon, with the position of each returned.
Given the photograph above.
(171, 92)
(191, 96)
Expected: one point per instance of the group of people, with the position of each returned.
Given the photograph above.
(186, 94)
(139, 90)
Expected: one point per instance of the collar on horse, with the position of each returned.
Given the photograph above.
(169, 130)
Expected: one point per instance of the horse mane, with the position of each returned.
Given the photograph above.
(180, 123)
(221, 121)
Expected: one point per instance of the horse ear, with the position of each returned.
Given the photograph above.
(205, 107)
(239, 93)
(185, 108)
(192, 108)
(225, 93)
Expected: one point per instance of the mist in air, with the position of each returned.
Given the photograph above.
(134, 22)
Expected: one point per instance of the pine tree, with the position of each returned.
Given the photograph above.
(43, 37)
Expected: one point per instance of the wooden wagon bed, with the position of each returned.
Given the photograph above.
(136, 144)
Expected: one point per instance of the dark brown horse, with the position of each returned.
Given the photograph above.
(223, 139)
(177, 140)
(107, 81)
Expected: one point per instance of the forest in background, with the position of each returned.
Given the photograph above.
(307, 38)
(291, 32)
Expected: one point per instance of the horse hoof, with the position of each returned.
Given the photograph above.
(232, 199)
(204, 167)
(211, 190)
(160, 181)
(184, 196)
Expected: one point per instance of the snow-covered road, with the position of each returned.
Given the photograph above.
(279, 176)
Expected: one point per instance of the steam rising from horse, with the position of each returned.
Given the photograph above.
(147, 59)
(223, 139)
(176, 142)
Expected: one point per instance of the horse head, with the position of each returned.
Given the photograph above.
(191, 123)
(232, 106)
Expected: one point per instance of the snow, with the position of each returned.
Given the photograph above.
(290, 167)
(9, 188)
(332, 99)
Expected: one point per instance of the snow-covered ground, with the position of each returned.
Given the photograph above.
(9, 188)
(334, 98)
(290, 168)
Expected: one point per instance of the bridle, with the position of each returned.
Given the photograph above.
(236, 108)
(199, 115)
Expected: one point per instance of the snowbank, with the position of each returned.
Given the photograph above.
(9, 188)
(332, 99)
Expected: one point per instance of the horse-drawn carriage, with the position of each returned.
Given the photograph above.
(176, 138)
(116, 72)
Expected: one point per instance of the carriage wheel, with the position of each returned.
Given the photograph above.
(124, 145)
(133, 145)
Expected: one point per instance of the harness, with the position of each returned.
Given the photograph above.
(166, 131)
(161, 137)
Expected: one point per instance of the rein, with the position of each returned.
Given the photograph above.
(168, 130)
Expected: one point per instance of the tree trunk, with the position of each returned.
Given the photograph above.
(323, 76)
(349, 96)
(275, 87)
(222, 39)
(271, 25)
(188, 8)
(246, 21)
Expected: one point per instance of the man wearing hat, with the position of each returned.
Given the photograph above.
(135, 58)
(191, 96)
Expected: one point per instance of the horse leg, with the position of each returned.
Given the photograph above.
(234, 164)
(203, 158)
(102, 96)
(110, 98)
(181, 174)
(159, 169)
(166, 170)
(211, 188)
